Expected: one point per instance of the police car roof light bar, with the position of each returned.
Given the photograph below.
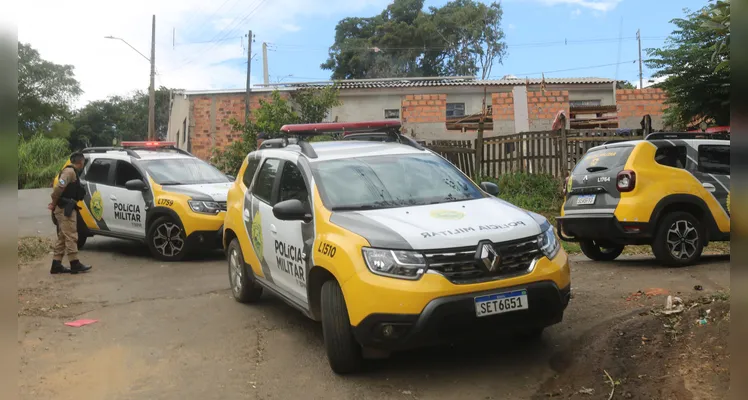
(154, 146)
(687, 135)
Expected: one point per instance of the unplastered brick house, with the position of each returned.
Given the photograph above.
(429, 108)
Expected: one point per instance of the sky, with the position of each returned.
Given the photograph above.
(202, 45)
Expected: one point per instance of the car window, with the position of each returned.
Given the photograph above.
(263, 188)
(603, 159)
(391, 181)
(672, 156)
(249, 172)
(125, 172)
(714, 159)
(98, 172)
(292, 184)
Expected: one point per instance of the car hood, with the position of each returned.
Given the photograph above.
(205, 191)
(439, 226)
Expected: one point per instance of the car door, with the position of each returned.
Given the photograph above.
(714, 171)
(292, 248)
(258, 216)
(98, 179)
(128, 206)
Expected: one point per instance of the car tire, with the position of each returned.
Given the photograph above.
(166, 239)
(595, 252)
(679, 232)
(343, 352)
(243, 285)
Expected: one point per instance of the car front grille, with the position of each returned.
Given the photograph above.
(460, 266)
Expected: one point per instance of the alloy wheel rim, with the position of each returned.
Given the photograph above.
(236, 271)
(168, 239)
(682, 240)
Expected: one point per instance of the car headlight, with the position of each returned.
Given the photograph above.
(395, 263)
(549, 245)
(204, 207)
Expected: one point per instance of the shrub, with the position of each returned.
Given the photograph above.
(39, 160)
(534, 192)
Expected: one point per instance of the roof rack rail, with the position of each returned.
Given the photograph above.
(129, 152)
(687, 135)
(279, 143)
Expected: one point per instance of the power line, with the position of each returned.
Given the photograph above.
(574, 69)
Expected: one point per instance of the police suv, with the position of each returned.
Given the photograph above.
(155, 193)
(388, 244)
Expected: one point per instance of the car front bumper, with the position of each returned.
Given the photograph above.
(208, 239)
(453, 318)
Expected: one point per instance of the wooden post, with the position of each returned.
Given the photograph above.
(564, 149)
(479, 141)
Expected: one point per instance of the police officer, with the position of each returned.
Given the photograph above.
(65, 197)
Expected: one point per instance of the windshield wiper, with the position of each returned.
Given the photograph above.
(357, 207)
(596, 169)
(168, 183)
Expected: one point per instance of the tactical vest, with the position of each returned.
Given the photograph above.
(74, 190)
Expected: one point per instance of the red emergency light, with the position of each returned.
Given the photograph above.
(341, 127)
(148, 144)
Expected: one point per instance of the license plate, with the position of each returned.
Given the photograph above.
(501, 303)
(586, 199)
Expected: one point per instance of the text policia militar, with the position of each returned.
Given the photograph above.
(458, 231)
(290, 259)
(127, 212)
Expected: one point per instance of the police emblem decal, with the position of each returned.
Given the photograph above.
(97, 206)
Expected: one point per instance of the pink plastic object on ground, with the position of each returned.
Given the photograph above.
(81, 322)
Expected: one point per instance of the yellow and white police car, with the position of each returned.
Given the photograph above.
(155, 193)
(389, 245)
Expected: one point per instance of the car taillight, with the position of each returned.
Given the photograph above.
(626, 181)
(566, 185)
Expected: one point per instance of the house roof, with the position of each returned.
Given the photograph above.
(409, 83)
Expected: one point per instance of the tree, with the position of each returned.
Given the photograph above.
(460, 38)
(698, 87)
(45, 91)
(625, 85)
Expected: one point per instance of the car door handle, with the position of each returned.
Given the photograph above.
(272, 229)
(709, 187)
(246, 215)
(113, 197)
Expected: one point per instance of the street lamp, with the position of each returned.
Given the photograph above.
(151, 89)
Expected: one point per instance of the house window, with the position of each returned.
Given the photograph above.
(584, 103)
(393, 113)
(455, 110)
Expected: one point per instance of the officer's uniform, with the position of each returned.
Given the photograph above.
(65, 196)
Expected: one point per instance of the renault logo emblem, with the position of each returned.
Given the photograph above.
(487, 256)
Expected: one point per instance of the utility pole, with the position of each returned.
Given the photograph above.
(641, 79)
(265, 78)
(249, 71)
(152, 90)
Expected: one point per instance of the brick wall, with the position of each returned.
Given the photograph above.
(542, 107)
(419, 108)
(633, 104)
(502, 105)
(210, 116)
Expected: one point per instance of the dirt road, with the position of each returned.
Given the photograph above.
(172, 331)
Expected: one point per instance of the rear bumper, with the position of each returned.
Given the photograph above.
(453, 318)
(602, 227)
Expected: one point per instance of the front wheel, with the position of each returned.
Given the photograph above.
(594, 251)
(343, 352)
(242, 280)
(679, 240)
(166, 239)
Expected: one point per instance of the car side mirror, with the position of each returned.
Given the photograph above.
(136, 184)
(490, 188)
(292, 210)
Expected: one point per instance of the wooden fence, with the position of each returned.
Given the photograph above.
(548, 152)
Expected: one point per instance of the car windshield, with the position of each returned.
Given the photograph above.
(183, 171)
(391, 181)
(603, 159)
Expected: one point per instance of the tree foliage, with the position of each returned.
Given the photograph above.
(462, 37)
(45, 91)
(695, 63)
(304, 106)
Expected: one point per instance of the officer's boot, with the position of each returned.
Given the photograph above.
(58, 268)
(76, 266)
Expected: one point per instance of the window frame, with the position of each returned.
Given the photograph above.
(395, 110)
(303, 179)
(447, 110)
(110, 174)
(679, 148)
(276, 181)
(705, 170)
(250, 160)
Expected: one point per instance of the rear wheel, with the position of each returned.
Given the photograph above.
(597, 252)
(242, 280)
(166, 239)
(679, 240)
(343, 352)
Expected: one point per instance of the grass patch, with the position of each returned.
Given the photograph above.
(31, 248)
(39, 160)
(537, 192)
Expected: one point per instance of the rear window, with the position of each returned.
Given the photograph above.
(604, 159)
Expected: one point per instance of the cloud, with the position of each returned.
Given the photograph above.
(596, 5)
(576, 12)
(199, 44)
(511, 27)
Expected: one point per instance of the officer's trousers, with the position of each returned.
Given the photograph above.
(67, 235)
